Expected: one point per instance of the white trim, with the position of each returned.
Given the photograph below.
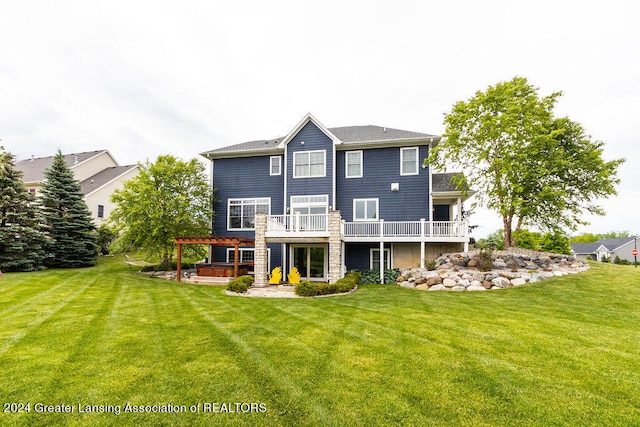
(244, 249)
(325, 268)
(377, 218)
(388, 258)
(306, 119)
(279, 158)
(293, 205)
(346, 164)
(309, 152)
(417, 151)
(243, 199)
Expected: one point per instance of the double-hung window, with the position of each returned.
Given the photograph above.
(309, 164)
(242, 212)
(409, 161)
(353, 164)
(275, 165)
(365, 209)
(374, 259)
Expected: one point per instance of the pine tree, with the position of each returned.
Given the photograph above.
(67, 218)
(22, 242)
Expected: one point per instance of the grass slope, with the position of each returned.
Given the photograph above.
(561, 352)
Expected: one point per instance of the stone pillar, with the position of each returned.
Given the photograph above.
(335, 246)
(261, 260)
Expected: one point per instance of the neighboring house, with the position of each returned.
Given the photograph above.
(97, 171)
(335, 199)
(610, 248)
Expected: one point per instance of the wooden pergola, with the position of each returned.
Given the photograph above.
(236, 242)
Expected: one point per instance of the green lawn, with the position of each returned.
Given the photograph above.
(561, 352)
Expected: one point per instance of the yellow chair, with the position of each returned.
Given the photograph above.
(294, 276)
(275, 277)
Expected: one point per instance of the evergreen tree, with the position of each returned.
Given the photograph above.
(22, 243)
(67, 218)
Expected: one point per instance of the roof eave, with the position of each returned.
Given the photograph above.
(385, 143)
(241, 153)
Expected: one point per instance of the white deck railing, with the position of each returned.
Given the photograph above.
(297, 223)
(288, 225)
(410, 229)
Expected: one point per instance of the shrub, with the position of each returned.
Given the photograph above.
(370, 277)
(390, 276)
(306, 289)
(246, 279)
(238, 285)
(485, 259)
(616, 260)
(354, 275)
(430, 264)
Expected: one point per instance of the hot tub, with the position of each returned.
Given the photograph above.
(221, 269)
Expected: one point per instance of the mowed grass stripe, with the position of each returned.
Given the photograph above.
(562, 352)
(265, 369)
(34, 314)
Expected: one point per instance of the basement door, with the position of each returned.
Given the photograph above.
(310, 260)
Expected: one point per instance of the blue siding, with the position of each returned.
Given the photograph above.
(314, 139)
(357, 255)
(381, 168)
(245, 177)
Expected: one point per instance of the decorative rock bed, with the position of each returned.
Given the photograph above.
(515, 267)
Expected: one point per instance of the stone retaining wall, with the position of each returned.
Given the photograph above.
(516, 267)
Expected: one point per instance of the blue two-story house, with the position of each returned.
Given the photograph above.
(392, 210)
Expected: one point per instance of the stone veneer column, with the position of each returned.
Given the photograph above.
(335, 246)
(261, 256)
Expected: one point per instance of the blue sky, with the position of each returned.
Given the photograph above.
(144, 78)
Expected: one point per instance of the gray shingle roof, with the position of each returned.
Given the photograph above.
(614, 243)
(374, 133)
(103, 177)
(611, 244)
(33, 169)
(346, 134)
(584, 248)
(441, 182)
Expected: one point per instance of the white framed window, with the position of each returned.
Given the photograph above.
(309, 164)
(247, 255)
(275, 165)
(374, 259)
(365, 210)
(409, 161)
(241, 213)
(353, 164)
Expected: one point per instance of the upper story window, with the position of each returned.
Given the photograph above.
(353, 164)
(242, 212)
(409, 161)
(365, 209)
(275, 165)
(100, 211)
(309, 164)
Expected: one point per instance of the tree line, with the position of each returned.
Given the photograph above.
(53, 230)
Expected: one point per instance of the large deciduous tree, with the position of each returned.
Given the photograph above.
(22, 242)
(67, 220)
(531, 167)
(168, 198)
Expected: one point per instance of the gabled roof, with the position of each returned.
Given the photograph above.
(104, 177)
(346, 137)
(585, 248)
(609, 244)
(34, 168)
(615, 243)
